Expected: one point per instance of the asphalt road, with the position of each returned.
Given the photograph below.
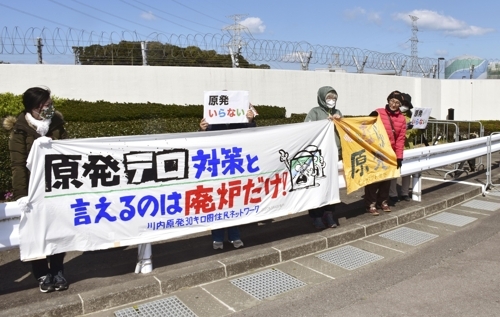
(435, 269)
(456, 275)
(452, 273)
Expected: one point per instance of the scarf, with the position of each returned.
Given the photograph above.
(41, 126)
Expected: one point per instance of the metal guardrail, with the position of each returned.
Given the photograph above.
(489, 181)
(436, 123)
(432, 157)
(415, 161)
(459, 168)
(10, 215)
(456, 169)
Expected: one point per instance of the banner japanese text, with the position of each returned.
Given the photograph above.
(225, 106)
(367, 154)
(90, 194)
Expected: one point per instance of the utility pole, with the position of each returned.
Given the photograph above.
(144, 50)
(39, 46)
(439, 67)
(414, 43)
(471, 71)
(76, 51)
(236, 43)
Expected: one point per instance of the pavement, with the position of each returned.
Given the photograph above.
(100, 280)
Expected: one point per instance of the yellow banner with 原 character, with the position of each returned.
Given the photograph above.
(367, 154)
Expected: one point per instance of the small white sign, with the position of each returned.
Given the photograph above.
(225, 106)
(420, 117)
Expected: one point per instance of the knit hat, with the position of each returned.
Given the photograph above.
(395, 95)
(407, 101)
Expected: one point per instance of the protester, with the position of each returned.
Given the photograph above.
(233, 233)
(327, 100)
(377, 194)
(38, 119)
(405, 180)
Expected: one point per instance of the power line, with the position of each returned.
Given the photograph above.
(197, 11)
(89, 15)
(113, 15)
(34, 15)
(147, 5)
(254, 50)
(161, 17)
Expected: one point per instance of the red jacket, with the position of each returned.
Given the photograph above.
(397, 137)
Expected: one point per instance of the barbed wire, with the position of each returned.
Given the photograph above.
(63, 42)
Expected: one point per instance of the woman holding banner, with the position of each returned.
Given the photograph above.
(326, 109)
(377, 194)
(233, 233)
(39, 119)
(405, 180)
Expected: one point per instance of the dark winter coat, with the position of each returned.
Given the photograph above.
(22, 136)
(231, 126)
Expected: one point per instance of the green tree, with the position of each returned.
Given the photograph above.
(158, 54)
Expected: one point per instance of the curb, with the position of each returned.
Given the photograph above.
(163, 283)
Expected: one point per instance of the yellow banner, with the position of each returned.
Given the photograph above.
(367, 154)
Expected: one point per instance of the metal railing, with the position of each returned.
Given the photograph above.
(437, 133)
(415, 161)
(489, 181)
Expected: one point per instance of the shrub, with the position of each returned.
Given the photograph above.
(86, 119)
(10, 104)
(84, 111)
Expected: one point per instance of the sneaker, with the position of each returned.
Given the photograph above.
(218, 245)
(372, 210)
(385, 207)
(330, 221)
(318, 223)
(46, 284)
(394, 199)
(60, 283)
(406, 198)
(237, 243)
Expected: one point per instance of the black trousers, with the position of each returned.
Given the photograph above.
(320, 211)
(52, 264)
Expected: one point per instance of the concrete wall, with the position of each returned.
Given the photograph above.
(295, 90)
(476, 99)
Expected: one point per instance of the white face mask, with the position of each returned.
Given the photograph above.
(331, 103)
(403, 108)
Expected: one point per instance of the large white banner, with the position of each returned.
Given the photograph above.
(90, 194)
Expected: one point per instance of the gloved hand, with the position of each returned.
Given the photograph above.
(409, 126)
(400, 162)
(23, 204)
(45, 141)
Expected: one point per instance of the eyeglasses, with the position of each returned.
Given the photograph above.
(395, 102)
